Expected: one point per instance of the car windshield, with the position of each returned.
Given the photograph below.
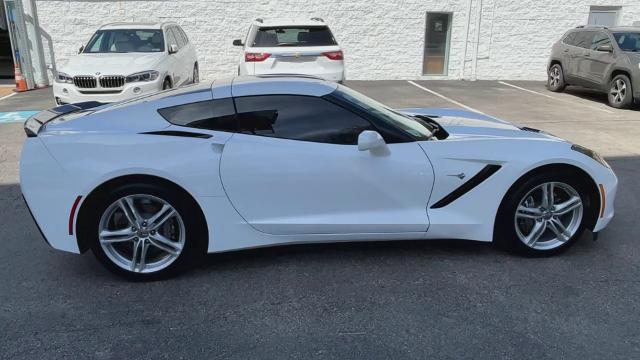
(294, 36)
(125, 41)
(409, 124)
(628, 41)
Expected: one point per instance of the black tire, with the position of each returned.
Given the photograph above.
(166, 84)
(196, 74)
(620, 98)
(196, 237)
(505, 234)
(555, 78)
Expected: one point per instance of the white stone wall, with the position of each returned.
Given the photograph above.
(382, 39)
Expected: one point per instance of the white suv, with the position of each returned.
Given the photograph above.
(123, 60)
(291, 47)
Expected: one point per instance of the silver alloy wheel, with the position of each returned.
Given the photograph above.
(141, 233)
(548, 216)
(618, 91)
(554, 77)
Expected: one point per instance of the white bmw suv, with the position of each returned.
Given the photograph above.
(123, 60)
(277, 46)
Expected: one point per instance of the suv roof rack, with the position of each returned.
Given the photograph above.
(591, 26)
(317, 19)
(304, 76)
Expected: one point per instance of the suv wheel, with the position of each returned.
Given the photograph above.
(555, 78)
(620, 92)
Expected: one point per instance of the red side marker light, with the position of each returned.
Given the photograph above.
(72, 215)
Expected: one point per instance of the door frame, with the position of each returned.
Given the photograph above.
(445, 70)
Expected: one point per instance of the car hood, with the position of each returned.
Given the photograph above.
(468, 124)
(111, 64)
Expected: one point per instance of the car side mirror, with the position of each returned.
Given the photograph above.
(81, 49)
(173, 48)
(237, 42)
(605, 48)
(372, 141)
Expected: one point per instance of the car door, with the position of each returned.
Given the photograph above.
(597, 62)
(172, 61)
(181, 57)
(580, 57)
(294, 168)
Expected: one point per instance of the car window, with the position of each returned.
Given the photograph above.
(171, 39)
(304, 118)
(183, 34)
(570, 39)
(294, 36)
(408, 124)
(178, 37)
(125, 40)
(600, 38)
(584, 39)
(218, 115)
(628, 41)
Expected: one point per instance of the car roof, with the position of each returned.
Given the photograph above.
(135, 25)
(289, 22)
(279, 84)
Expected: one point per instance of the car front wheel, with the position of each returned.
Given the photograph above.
(555, 80)
(544, 215)
(620, 94)
(146, 232)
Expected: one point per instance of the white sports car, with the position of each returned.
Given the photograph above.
(153, 184)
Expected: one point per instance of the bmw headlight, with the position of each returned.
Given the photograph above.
(63, 78)
(143, 76)
(590, 153)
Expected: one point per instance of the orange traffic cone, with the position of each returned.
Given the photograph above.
(21, 83)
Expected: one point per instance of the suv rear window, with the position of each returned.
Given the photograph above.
(294, 36)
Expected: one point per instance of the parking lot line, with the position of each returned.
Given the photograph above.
(554, 98)
(445, 98)
(7, 96)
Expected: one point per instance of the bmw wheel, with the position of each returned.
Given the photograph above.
(620, 94)
(555, 80)
(146, 232)
(544, 215)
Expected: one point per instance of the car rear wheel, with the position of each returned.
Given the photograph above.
(544, 215)
(620, 94)
(146, 232)
(555, 80)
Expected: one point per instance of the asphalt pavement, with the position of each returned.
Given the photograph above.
(399, 300)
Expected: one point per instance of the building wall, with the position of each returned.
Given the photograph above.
(381, 39)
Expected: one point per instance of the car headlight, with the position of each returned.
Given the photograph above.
(143, 76)
(590, 153)
(63, 78)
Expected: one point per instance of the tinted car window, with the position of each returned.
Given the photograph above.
(600, 38)
(125, 40)
(584, 38)
(570, 39)
(216, 115)
(305, 118)
(294, 36)
(628, 41)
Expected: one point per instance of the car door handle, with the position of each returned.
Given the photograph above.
(587, 55)
(566, 50)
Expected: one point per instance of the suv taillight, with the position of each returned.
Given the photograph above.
(334, 55)
(253, 57)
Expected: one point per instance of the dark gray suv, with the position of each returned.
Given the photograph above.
(606, 59)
